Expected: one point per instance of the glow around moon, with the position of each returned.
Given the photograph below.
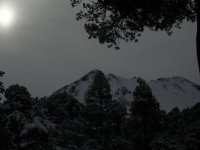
(6, 15)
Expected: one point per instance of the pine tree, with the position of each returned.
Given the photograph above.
(117, 113)
(64, 107)
(189, 131)
(145, 115)
(191, 137)
(116, 126)
(66, 113)
(2, 90)
(173, 121)
(98, 102)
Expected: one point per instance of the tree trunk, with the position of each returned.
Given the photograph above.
(198, 34)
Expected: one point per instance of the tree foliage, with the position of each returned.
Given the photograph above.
(2, 90)
(60, 122)
(18, 98)
(110, 21)
(146, 116)
(98, 102)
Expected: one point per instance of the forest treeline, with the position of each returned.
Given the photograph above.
(60, 122)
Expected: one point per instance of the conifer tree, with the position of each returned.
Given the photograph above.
(117, 114)
(98, 102)
(2, 90)
(116, 126)
(191, 138)
(189, 130)
(146, 116)
(173, 121)
(64, 107)
(66, 113)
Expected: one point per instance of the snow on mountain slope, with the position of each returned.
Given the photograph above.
(175, 91)
(122, 88)
(80, 87)
(169, 92)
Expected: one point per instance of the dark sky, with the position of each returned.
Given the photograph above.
(46, 48)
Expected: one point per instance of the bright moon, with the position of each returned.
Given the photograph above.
(6, 15)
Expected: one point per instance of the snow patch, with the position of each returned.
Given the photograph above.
(169, 92)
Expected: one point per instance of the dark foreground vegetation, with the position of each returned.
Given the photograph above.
(60, 122)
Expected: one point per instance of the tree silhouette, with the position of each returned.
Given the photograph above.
(2, 90)
(146, 114)
(18, 98)
(110, 21)
(98, 102)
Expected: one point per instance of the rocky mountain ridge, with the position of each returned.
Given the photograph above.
(169, 92)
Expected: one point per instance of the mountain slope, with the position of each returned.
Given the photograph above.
(169, 92)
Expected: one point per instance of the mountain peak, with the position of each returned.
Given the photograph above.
(95, 71)
(169, 92)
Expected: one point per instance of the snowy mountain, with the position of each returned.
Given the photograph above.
(169, 92)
